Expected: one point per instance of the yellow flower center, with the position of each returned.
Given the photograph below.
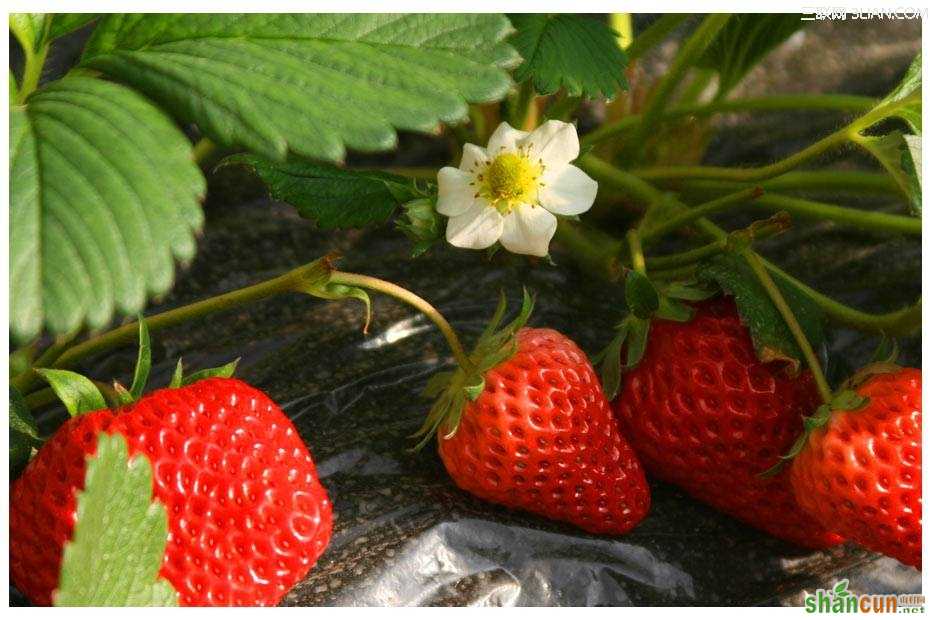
(511, 179)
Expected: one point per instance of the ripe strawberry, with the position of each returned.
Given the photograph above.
(540, 437)
(247, 515)
(859, 473)
(705, 414)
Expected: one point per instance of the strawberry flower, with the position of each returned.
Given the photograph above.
(512, 190)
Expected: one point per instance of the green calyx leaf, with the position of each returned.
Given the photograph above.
(642, 298)
(422, 224)
(332, 197)
(843, 400)
(308, 84)
(743, 42)
(770, 334)
(453, 390)
(624, 352)
(315, 280)
(104, 197)
(119, 539)
(77, 392)
(225, 371)
(143, 362)
(571, 52)
(177, 377)
(24, 435)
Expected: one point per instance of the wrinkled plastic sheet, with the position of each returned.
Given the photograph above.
(404, 534)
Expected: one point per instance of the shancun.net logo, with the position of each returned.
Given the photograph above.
(838, 601)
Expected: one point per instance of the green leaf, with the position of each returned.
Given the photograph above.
(744, 41)
(641, 296)
(332, 197)
(66, 23)
(909, 86)
(24, 435)
(579, 54)
(77, 392)
(672, 309)
(771, 336)
(611, 365)
(104, 196)
(308, 84)
(29, 29)
(143, 362)
(899, 154)
(116, 552)
(225, 371)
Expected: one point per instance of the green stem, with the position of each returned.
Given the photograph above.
(771, 103)
(866, 220)
(595, 253)
(758, 267)
(746, 175)
(563, 108)
(34, 62)
(405, 296)
(654, 34)
(846, 181)
(688, 216)
(689, 53)
(520, 104)
(636, 250)
(898, 323)
(763, 230)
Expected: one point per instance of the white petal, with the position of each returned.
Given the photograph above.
(456, 196)
(555, 142)
(528, 230)
(477, 228)
(567, 191)
(504, 138)
(473, 157)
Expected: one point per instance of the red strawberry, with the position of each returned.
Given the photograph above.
(541, 438)
(247, 515)
(705, 414)
(859, 474)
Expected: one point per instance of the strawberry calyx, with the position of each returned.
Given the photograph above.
(845, 399)
(645, 301)
(452, 390)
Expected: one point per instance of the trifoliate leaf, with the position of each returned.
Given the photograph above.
(104, 197)
(579, 54)
(308, 84)
(771, 336)
(225, 371)
(115, 554)
(744, 41)
(899, 154)
(24, 435)
(333, 197)
(77, 392)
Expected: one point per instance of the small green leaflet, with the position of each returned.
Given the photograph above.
(308, 84)
(909, 86)
(744, 42)
(225, 371)
(104, 197)
(579, 54)
(77, 392)
(333, 197)
(641, 296)
(899, 155)
(119, 538)
(143, 362)
(24, 435)
(770, 335)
